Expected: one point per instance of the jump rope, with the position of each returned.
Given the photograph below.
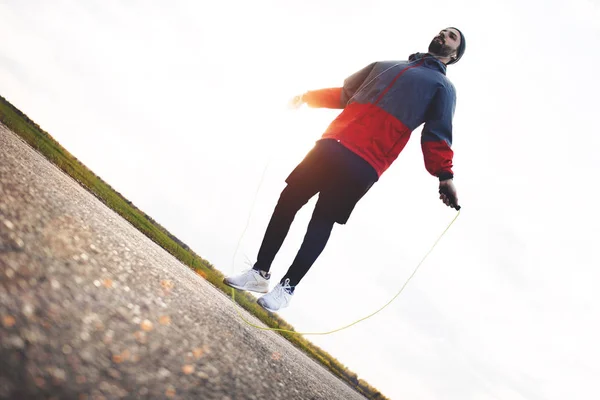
(443, 190)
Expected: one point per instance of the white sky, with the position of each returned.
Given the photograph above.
(180, 105)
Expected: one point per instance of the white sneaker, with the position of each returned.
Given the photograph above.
(249, 280)
(278, 298)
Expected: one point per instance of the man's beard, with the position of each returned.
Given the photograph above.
(436, 47)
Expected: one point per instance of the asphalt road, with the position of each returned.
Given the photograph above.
(90, 308)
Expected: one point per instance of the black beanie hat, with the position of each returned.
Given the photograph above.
(461, 48)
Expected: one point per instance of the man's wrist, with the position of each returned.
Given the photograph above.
(444, 176)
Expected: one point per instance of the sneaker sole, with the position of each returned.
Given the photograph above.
(244, 288)
(267, 308)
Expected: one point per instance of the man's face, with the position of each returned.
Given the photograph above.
(446, 43)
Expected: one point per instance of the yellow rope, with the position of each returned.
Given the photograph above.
(359, 320)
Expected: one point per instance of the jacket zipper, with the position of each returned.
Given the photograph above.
(388, 88)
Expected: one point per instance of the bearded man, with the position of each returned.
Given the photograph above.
(382, 104)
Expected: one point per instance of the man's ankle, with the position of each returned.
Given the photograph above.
(264, 274)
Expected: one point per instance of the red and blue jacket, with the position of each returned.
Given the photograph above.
(384, 102)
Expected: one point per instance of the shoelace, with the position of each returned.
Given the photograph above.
(249, 263)
(245, 271)
(282, 288)
(286, 286)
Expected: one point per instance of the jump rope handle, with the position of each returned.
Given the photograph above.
(444, 190)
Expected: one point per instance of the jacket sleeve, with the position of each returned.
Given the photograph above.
(337, 97)
(324, 98)
(436, 138)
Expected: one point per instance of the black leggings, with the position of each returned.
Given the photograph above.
(341, 178)
(291, 200)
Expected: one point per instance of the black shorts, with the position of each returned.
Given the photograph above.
(340, 176)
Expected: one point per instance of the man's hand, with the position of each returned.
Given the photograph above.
(448, 194)
(296, 102)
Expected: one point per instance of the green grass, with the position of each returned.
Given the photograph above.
(23, 126)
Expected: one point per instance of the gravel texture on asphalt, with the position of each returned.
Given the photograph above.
(90, 308)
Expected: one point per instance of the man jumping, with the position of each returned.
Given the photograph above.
(382, 104)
